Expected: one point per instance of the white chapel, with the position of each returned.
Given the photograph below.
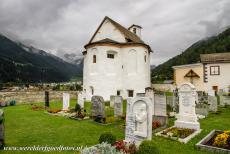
(116, 61)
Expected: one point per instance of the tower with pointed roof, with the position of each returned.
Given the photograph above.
(116, 61)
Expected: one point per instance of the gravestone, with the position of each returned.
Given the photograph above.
(211, 92)
(187, 117)
(160, 109)
(118, 106)
(170, 101)
(98, 107)
(47, 102)
(160, 105)
(150, 93)
(80, 99)
(1, 129)
(212, 101)
(224, 100)
(66, 98)
(138, 120)
(202, 109)
(112, 100)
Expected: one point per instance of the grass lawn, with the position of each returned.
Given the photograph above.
(25, 127)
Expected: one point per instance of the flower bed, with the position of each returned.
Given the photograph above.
(181, 134)
(216, 141)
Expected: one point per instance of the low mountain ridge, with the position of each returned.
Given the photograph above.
(216, 44)
(21, 63)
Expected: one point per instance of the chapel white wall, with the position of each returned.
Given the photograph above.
(107, 76)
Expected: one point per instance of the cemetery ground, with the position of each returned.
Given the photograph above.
(25, 127)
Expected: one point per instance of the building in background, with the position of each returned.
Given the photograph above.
(116, 61)
(212, 73)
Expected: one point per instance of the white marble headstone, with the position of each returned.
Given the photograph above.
(112, 100)
(160, 106)
(66, 99)
(211, 92)
(187, 116)
(138, 120)
(150, 93)
(118, 106)
(80, 99)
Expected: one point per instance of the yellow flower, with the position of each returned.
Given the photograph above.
(221, 140)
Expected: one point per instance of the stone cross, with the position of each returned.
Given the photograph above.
(138, 120)
(118, 106)
(187, 116)
(98, 106)
(66, 99)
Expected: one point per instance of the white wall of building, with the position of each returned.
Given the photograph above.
(222, 80)
(127, 71)
(108, 30)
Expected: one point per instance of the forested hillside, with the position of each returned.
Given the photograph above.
(215, 44)
(19, 63)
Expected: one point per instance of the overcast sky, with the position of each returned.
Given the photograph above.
(60, 26)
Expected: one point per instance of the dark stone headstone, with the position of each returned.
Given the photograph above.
(47, 103)
(1, 129)
(98, 106)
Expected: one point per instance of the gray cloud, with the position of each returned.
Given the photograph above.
(60, 26)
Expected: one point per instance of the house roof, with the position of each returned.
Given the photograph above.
(133, 25)
(129, 36)
(215, 57)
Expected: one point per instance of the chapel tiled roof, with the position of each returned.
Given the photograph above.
(128, 34)
(215, 57)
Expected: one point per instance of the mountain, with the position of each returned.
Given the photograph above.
(216, 44)
(73, 58)
(21, 63)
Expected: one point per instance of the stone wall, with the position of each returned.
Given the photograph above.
(163, 87)
(35, 96)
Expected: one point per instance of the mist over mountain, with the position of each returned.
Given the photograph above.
(22, 63)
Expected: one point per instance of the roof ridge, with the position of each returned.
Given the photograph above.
(125, 31)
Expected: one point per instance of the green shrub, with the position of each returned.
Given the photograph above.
(147, 147)
(108, 138)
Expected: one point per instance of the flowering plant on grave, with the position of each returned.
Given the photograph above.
(223, 139)
(125, 147)
(156, 124)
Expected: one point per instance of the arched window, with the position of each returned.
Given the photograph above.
(94, 58)
(145, 58)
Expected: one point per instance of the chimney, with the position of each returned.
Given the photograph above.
(136, 29)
